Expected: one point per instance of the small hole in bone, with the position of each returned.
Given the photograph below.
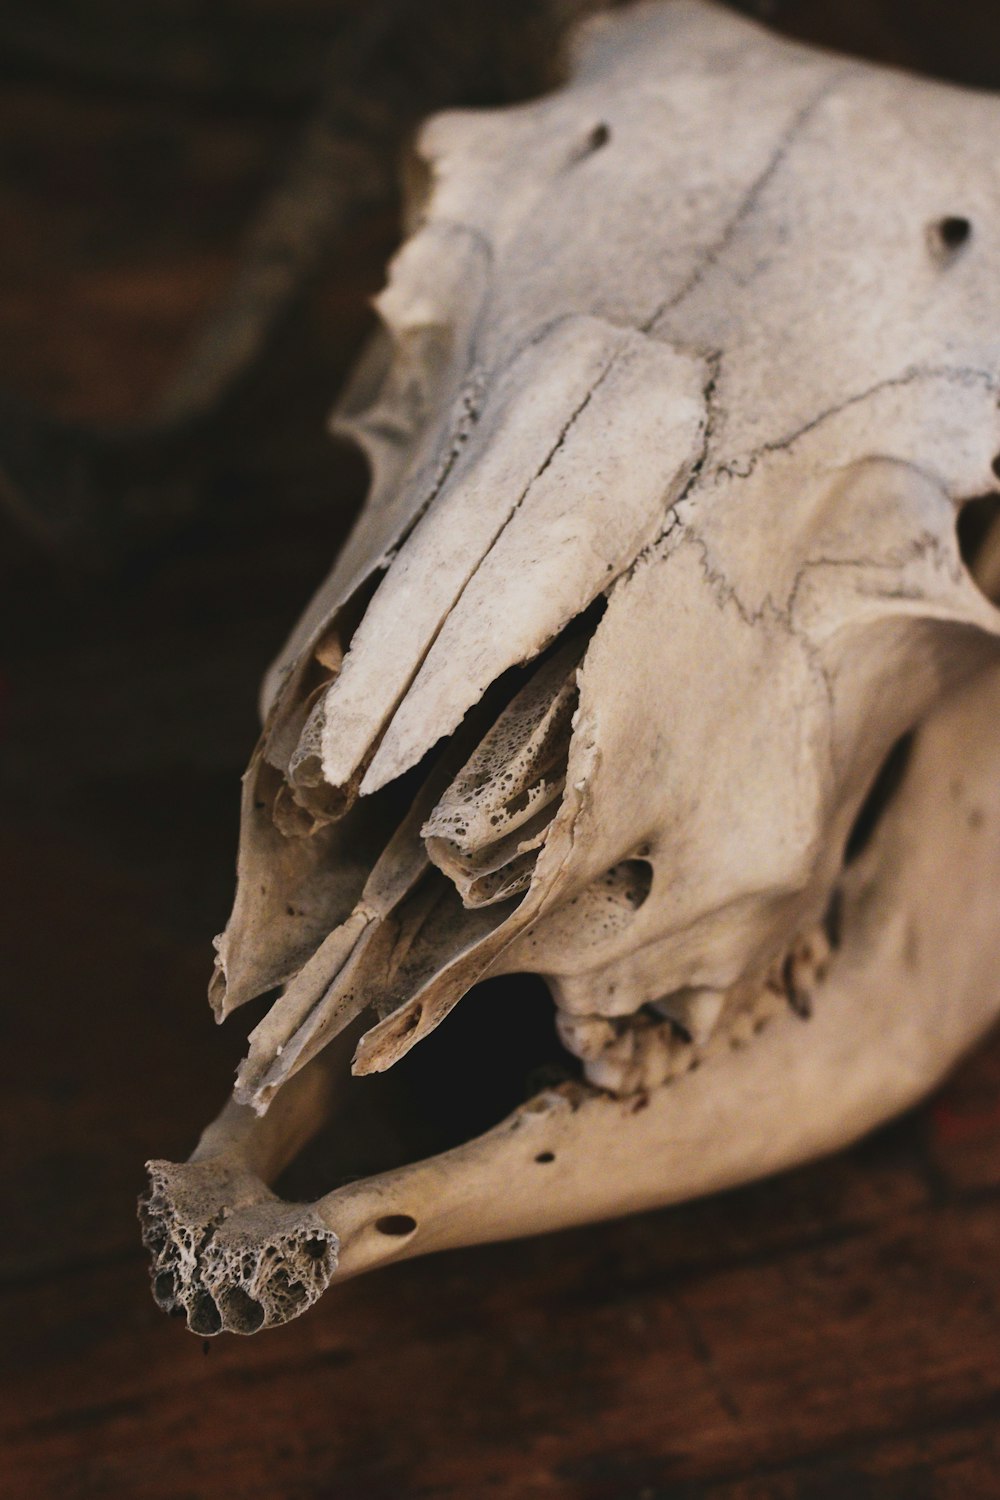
(952, 232)
(165, 1288)
(204, 1316)
(315, 1249)
(638, 880)
(544, 1157)
(881, 793)
(598, 136)
(243, 1313)
(396, 1224)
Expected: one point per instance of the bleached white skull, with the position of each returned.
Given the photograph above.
(684, 376)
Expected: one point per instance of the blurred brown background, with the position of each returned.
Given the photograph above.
(833, 1333)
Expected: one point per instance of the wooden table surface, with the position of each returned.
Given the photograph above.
(831, 1333)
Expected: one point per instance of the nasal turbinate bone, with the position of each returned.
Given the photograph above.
(485, 831)
(482, 828)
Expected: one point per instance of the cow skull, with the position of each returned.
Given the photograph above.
(683, 378)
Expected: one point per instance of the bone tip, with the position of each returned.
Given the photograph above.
(218, 994)
(385, 1044)
(398, 753)
(253, 1087)
(230, 1270)
(374, 779)
(364, 1063)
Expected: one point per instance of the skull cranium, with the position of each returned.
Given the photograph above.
(684, 376)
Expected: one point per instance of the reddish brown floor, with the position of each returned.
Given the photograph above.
(831, 1335)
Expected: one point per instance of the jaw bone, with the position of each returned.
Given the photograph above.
(658, 565)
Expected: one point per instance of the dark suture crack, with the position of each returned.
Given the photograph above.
(749, 202)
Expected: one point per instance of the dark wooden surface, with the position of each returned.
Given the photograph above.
(833, 1333)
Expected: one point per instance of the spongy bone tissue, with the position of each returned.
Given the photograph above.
(486, 830)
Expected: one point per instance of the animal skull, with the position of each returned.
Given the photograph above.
(683, 378)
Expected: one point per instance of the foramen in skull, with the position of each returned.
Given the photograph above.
(684, 378)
